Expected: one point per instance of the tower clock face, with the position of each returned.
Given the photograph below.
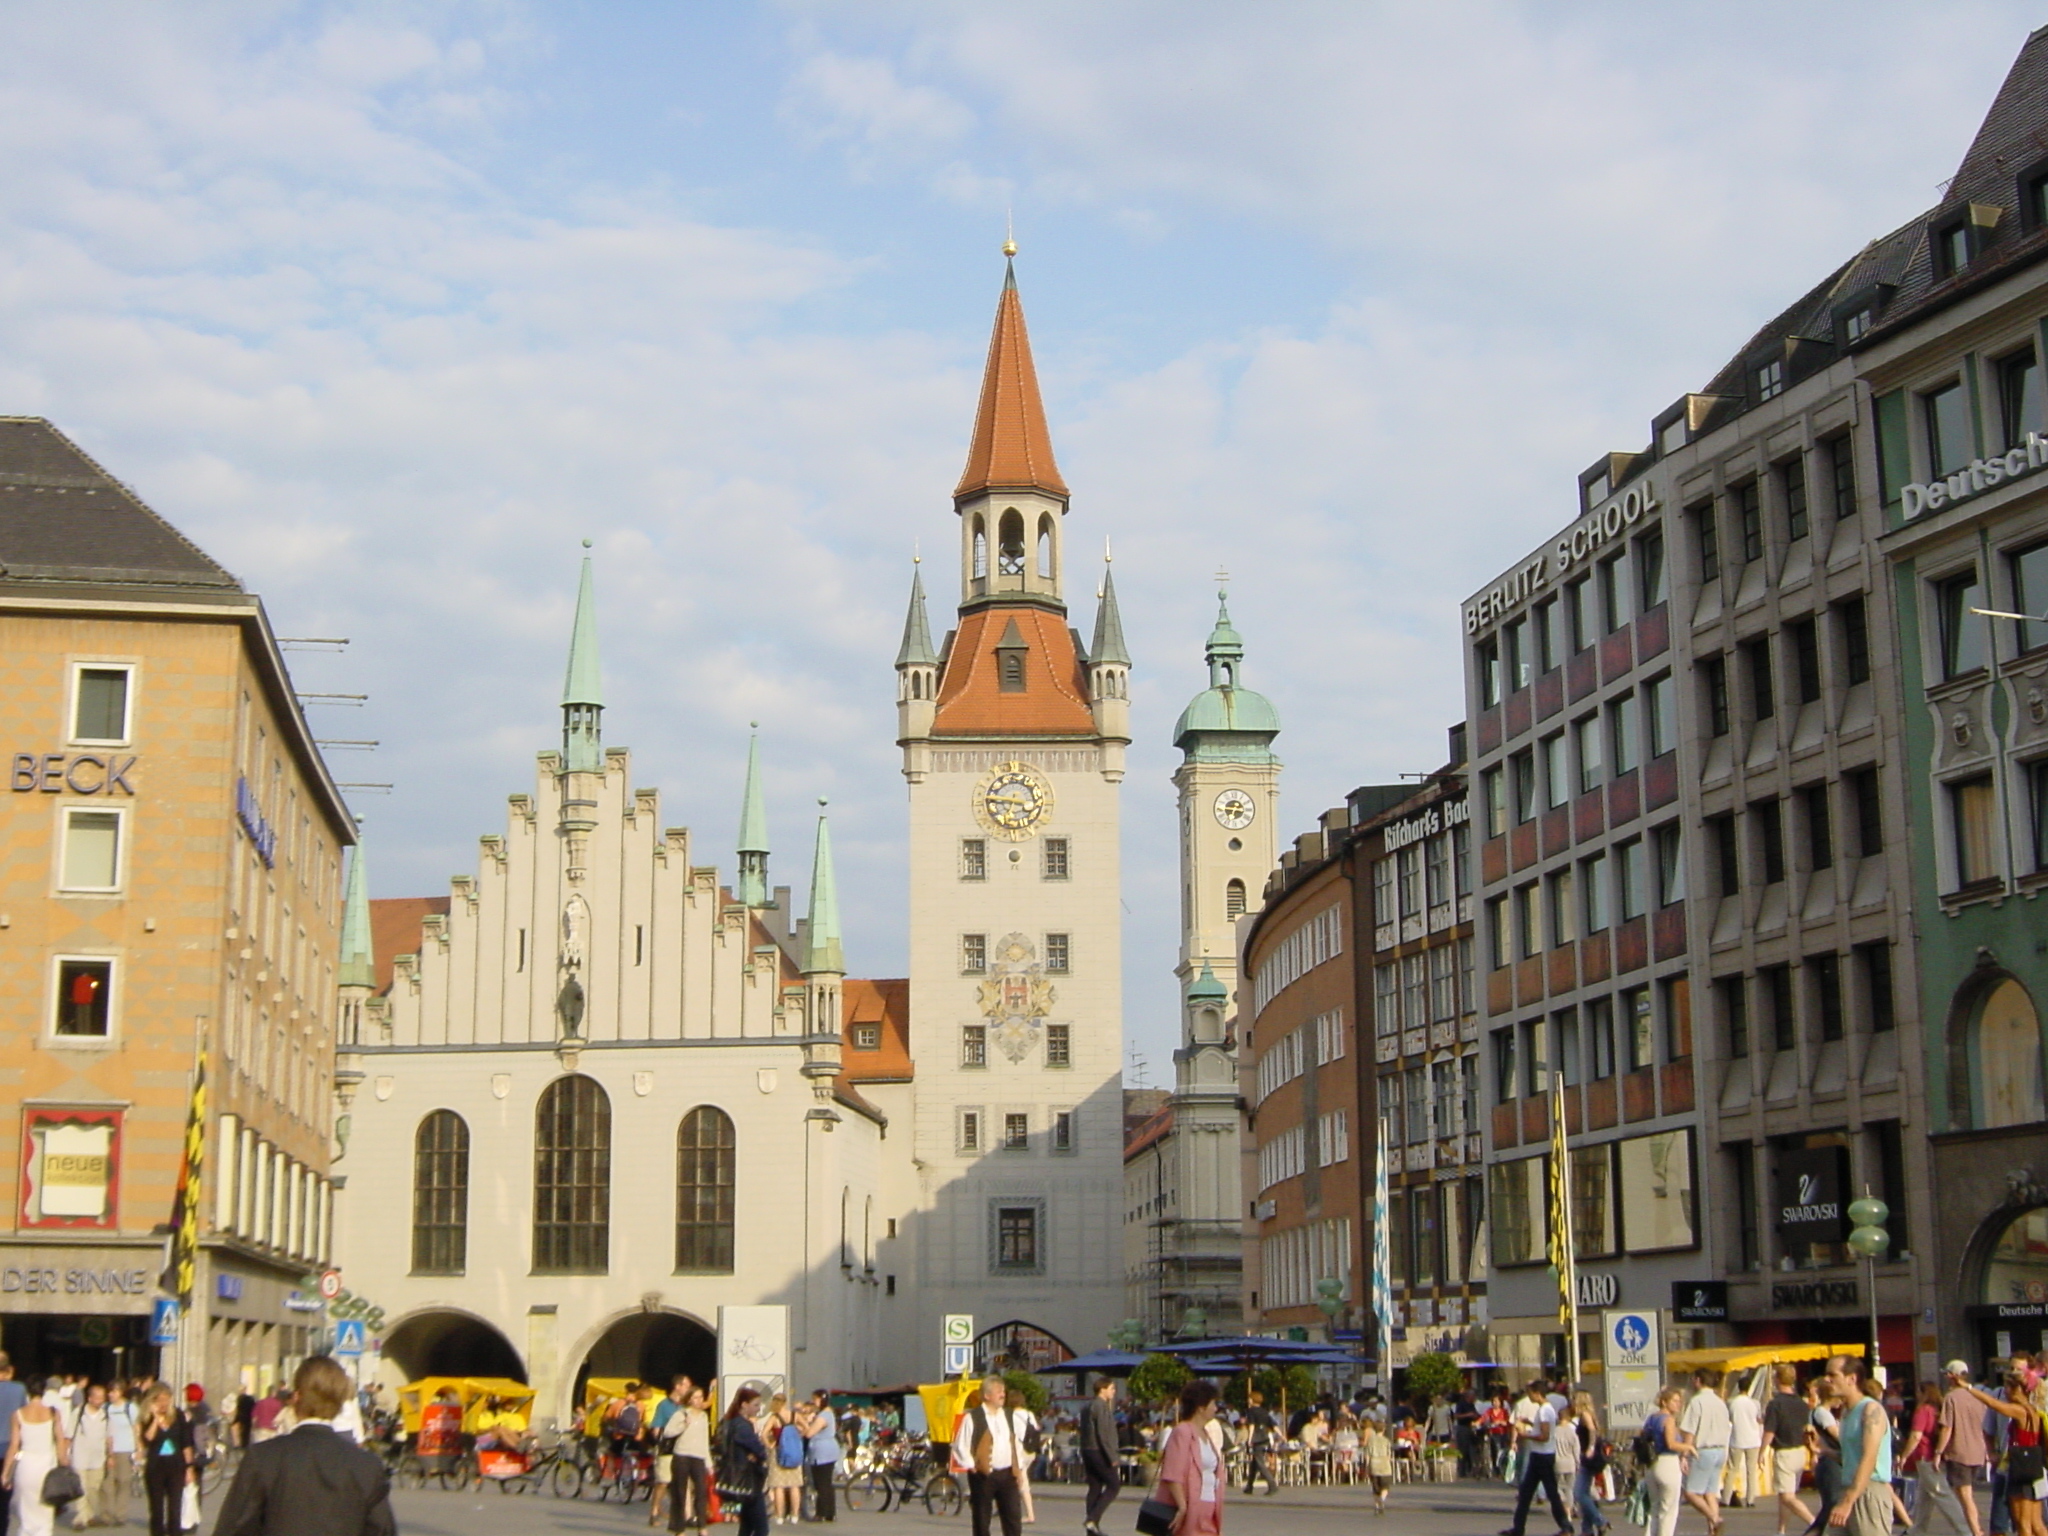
(1234, 808)
(1013, 801)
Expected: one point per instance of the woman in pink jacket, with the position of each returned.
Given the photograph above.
(1191, 1474)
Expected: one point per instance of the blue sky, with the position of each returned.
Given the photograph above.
(388, 306)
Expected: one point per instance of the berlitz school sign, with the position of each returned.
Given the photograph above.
(1574, 546)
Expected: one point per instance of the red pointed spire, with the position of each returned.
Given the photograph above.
(1011, 449)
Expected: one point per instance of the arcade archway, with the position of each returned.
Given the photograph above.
(654, 1347)
(448, 1343)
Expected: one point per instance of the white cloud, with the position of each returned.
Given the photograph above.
(282, 272)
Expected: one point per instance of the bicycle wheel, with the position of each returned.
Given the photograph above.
(868, 1491)
(565, 1480)
(941, 1495)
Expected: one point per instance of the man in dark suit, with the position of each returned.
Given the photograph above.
(1099, 1453)
(313, 1481)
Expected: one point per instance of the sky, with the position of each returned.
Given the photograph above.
(390, 306)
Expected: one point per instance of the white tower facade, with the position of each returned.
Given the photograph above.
(1192, 1257)
(1013, 740)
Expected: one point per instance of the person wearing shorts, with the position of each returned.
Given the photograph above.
(1959, 1441)
(1708, 1423)
(1785, 1420)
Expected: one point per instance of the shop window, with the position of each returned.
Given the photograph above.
(440, 1194)
(85, 998)
(572, 1182)
(1593, 1223)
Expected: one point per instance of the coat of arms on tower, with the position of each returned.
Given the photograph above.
(1015, 997)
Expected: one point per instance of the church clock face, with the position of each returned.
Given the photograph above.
(1234, 808)
(1013, 801)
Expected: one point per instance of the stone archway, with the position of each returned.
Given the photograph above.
(654, 1347)
(444, 1342)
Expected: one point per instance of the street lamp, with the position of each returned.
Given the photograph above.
(1128, 1336)
(1330, 1297)
(1868, 1239)
(1194, 1324)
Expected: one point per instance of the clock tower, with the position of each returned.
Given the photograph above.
(1013, 735)
(1229, 784)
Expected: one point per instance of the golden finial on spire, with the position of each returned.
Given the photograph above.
(1107, 557)
(1009, 233)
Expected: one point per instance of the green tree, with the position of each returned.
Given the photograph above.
(1027, 1389)
(1433, 1375)
(1290, 1387)
(1158, 1378)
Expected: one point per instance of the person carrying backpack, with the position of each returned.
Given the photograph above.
(785, 1444)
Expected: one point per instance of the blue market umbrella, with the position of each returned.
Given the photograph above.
(1104, 1362)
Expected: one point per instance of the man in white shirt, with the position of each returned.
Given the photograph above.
(89, 1459)
(987, 1446)
(1745, 1448)
(1536, 1430)
(1706, 1418)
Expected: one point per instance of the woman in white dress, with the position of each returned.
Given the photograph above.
(37, 1444)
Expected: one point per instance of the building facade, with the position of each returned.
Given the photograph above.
(1954, 306)
(594, 1025)
(1306, 1198)
(1409, 851)
(170, 899)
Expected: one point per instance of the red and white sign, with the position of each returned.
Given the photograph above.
(330, 1284)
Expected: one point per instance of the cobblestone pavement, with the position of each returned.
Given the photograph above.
(1463, 1509)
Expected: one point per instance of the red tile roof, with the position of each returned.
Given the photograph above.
(886, 1003)
(396, 924)
(1011, 449)
(1054, 701)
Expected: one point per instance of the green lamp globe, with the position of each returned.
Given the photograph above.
(1869, 1242)
(1869, 1212)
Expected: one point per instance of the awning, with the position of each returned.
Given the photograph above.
(1743, 1357)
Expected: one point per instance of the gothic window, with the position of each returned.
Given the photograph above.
(2001, 1074)
(1010, 544)
(1045, 547)
(1233, 899)
(980, 549)
(440, 1195)
(572, 1178)
(705, 1155)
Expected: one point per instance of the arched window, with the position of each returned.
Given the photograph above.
(980, 549)
(572, 1179)
(1233, 899)
(1045, 546)
(1010, 544)
(2007, 1041)
(440, 1195)
(704, 1184)
(2016, 1269)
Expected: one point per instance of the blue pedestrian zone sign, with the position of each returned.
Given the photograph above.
(163, 1321)
(348, 1337)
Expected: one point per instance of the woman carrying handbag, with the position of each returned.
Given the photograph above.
(743, 1464)
(2024, 1458)
(1189, 1498)
(36, 1447)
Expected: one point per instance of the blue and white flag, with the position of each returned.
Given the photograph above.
(1382, 1268)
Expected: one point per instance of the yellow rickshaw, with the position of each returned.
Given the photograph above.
(442, 1432)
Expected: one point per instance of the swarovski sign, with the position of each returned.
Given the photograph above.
(1978, 476)
(1574, 546)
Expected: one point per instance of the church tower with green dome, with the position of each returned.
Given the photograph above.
(1229, 784)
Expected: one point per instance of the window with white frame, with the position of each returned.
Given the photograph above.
(91, 858)
(1386, 999)
(100, 704)
(967, 1131)
(1385, 909)
(1443, 984)
(1317, 941)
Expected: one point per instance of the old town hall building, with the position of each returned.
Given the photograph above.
(599, 1093)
